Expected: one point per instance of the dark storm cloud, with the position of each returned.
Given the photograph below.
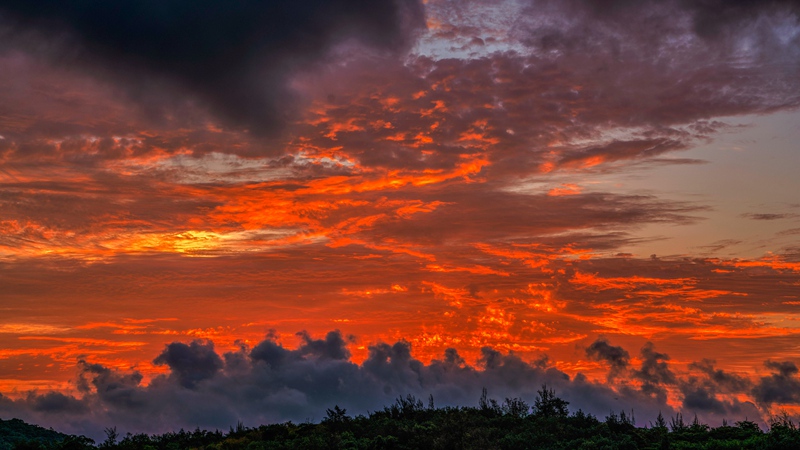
(117, 389)
(56, 402)
(393, 364)
(191, 363)
(235, 56)
(251, 385)
(701, 399)
(334, 346)
(714, 392)
(270, 352)
(654, 372)
(783, 386)
(722, 381)
(696, 398)
(617, 357)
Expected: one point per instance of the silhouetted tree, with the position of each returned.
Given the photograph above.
(660, 423)
(546, 404)
(111, 437)
(336, 415)
(676, 423)
(515, 407)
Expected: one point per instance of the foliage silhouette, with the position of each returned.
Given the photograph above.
(408, 424)
(15, 433)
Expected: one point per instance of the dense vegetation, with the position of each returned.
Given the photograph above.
(16, 431)
(409, 424)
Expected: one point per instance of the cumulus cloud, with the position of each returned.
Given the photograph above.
(333, 346)
(271, 383)
(191, 363)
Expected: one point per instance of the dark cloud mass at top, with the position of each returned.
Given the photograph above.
(711, 16)
(234, 56)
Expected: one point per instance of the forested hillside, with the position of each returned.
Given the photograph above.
(15, 431)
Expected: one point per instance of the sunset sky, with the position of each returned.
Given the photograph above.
(214, 211)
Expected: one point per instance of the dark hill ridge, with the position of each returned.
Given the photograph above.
(409, 424)
(16, 431)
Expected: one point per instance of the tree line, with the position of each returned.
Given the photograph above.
(409, 423)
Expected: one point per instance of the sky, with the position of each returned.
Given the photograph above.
(214, 212)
